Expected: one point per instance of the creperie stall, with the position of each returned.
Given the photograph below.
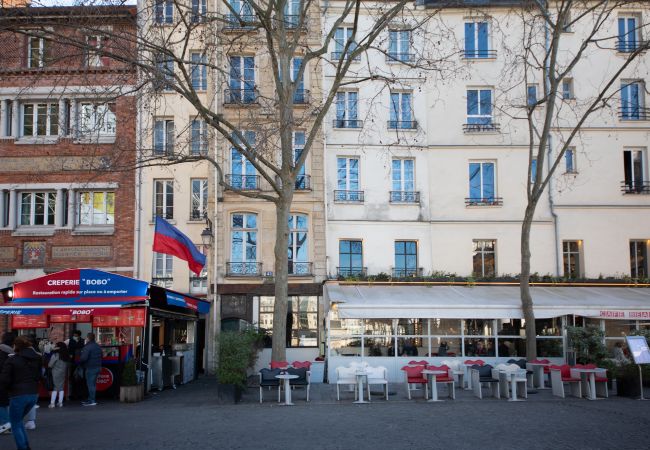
(130, 318)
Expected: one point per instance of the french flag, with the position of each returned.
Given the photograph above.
(169, 240)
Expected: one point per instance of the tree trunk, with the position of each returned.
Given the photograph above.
(279, 349)
(524, 283)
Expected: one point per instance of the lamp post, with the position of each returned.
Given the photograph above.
(207, 235)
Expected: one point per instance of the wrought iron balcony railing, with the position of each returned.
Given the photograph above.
(303, 182)
(633, 113)
(243, 269)
(339, 55)
(402, 124)
(635, 187)
(487, 127)
(300, 269)
(301, 97)
(292, 21)
(404, 196)
(628, 46)
(404, 272)
(240, 21)
(164, 215)
(484, 201)
(243, 182)
(351, 271)
(166, 282)
(198, 285)
(198, 215)
(399, 57)
(479, 54)
(348, 196)
(240, 96)
(347, 123)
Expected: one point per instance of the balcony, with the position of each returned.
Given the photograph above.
(339, 55)
(197, 215)
(635, 187)
(402, 124)
(488, 201)
(351, 271)
(629, 46)
(479, 54)
(301, 97)
(240, 96)
(292, 21)
(488, 127)
(399, 57)
(300, 269)
(347, 123)
(348, 196)
(243, 269)
(633, 113)
(404, 272)
(303, 182)
(243, 182)
(198, 285)
(240, 22)
(166, 216)
(404, 196)
(164, 282)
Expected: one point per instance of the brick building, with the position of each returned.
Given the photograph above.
(67, 141)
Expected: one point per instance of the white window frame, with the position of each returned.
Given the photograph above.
(49, 123)
(245, 231)
(32, 209)
(100, 121)
(484, 252)
(574, 161)
(91, 213)
(201, 198)
(42, 48)
(163, 267)
(93, 53)
(169, 136)
(293, 231)
(167, 186)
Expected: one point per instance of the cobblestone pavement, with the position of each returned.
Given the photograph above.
(190, 418)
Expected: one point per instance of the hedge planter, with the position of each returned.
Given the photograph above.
(132, 394)
(628, 386)
(229, 394)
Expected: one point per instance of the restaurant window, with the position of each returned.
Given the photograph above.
(639, 259)
(615, 331)
(406, 259)
(37, 208)
(37, 48)
(298, 251)
(484, 258)
(163, 267)
(572, 259)
(511, 340)
(163, 199)
(199, 200)
(350, 258)
(481, 342)
(96, 208)
(40, 119)
(302, 320)
(98, 119)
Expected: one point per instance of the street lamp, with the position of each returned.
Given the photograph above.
(206, 235)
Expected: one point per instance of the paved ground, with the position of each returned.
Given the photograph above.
(190, 418)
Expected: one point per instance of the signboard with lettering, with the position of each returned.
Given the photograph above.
(81, 252)
(639, 349)
(132, 317)
(7, 253)
(69, 318)
(104, 379)
(30, 321)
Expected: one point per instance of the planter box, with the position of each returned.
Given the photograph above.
(228, 394)
(132, 394)
(628, 387)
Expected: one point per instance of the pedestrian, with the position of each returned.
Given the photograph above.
(59, 366)
(20, 376)
(77, 383)
(6, 349)
(91, 361)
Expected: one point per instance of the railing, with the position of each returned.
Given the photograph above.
(303, 182)
(165, 282)
(351, 271)
(240, 21)
(240, 96)
(301, 97)
(348, 196)
(347, 123)
(404, 197)
(488, 201)
(198, 285)
(402, 124)
(300, 269)
(478, 54)
(165, 150)
(480, 127)
(292, 21)
(633, 113)
(407, 272)
(243, 269)
(166, 216)
(629, 46)
(198, 215)
(399, 57)
(340, 55)
(243, 182)
(635, 187)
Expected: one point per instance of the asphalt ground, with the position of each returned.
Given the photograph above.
(191, 418)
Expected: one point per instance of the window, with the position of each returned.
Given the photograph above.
(350, 258)
(531, 95)
(571, 257)
(37, 208)
(482, 184)
(567, 89)
(163, 199)
(484, 259)
(570, 160)
(96, 208)
(342, 36)
(298, 256)
(164, 76)
(477, 42)
(639, 259)
(566, 22)
(533, 170)
(36, 52)
(198, 137)
(299, 95)
(629, 34)
(243, 244)
(346, 110)
(635, 171)
(98, 119)
(164, 12)
(199, 9)
(347, 180)
(292, 12)
(399, 45)
(302, 320)
(93, 51)
(199, 71)
(199, 200)
(401, 115)
(632, 104)
(302, 182)
(403, 179)
(40, 119)
(243, 173)
(479, 106)
(243, 12)
(199, 284)
(406, 259)
(242, 80)
(163, 269)
(163, 137)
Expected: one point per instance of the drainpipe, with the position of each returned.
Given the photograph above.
(138, 191)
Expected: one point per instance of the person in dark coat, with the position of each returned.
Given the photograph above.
(20, 376)
(91, 361)
(77, 385)
(6, 349)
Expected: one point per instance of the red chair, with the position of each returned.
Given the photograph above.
(414, 376)
(559, 376)
(418, 363)
(279, 365)
(478, 362)
(447, 379)
(301, 365)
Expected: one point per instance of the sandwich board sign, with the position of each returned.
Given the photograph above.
(640, 352)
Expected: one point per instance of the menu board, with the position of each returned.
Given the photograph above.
(132, 317)
(69, 318)
(32, 321)
(639, 349)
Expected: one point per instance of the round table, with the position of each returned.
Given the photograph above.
(287, 387)
(591, 389)
(538, 374)
(361, 374)
(431, 375)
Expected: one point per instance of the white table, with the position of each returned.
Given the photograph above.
(361, 374)
(538, 374)
(461, 377)
(287, 387)
(431, 375)
(590, 383)
(510, 376)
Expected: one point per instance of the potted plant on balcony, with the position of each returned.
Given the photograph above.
(130, 390)
(238, 352)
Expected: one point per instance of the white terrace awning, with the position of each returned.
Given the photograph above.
(485, 302)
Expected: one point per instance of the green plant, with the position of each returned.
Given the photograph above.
(238, 351)
(588, 344)
(128, 374)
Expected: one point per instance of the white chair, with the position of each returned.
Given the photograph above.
(600, 378)
(520, 379)
(346, 376)
(457, 371)
(560, 375)
(378, 375)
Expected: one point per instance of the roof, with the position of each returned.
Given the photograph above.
(468, 3)
(58, 12)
